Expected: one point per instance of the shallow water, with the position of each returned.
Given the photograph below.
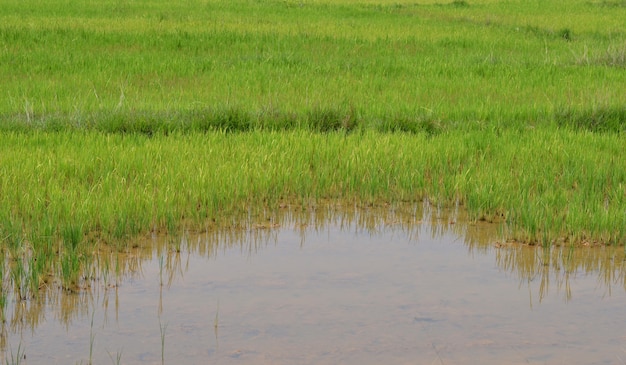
(422, 288)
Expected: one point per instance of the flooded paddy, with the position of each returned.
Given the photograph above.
(358, 286)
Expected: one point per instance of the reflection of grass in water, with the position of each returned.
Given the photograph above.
(117, 360)
(92, 338)
(216, 324)
(417, 221)
(216, 320)
(162, 328)
(555, 266)
(437, 353)
(18, 357)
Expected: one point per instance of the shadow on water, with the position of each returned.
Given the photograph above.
(432, 245)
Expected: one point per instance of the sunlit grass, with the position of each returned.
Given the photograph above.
(115, 64)
(80, 186)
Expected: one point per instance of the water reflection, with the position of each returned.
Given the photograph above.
(555, 268)
(542, 271)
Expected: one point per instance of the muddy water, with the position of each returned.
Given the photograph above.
(363, 287)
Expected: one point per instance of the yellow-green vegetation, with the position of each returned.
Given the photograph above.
(120, 65)
(73, 186)
(122, 117)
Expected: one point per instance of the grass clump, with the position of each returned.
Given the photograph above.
(460, 4)
(328, 120)
(601, 119)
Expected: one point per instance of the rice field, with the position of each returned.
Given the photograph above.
(123, 118)
(123, 65)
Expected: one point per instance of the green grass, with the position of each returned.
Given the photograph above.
(101, 186)
(118, 118)
(145, 66)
